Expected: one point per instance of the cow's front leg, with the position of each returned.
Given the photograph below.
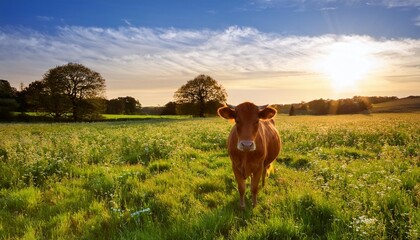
(255, 180)
(241, 187)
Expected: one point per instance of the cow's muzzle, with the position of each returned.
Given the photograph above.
(245, 145)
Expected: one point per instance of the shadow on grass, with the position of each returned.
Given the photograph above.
(298, 163)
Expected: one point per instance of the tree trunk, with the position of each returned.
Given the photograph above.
(202, 108)
(75, 117)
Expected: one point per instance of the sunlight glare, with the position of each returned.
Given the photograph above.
(347, 64)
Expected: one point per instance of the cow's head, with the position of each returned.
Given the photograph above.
(247, 117)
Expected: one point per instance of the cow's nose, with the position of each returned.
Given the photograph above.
(247, 146)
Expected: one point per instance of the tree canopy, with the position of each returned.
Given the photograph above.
(7, 99)
(200, 91)
(123, 105)
(71, 88)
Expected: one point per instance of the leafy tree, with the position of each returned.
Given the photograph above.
(123, 105)
(7, 99)
(292, 111)
(169, 109)
(333, 107)
(6, 91)
(212, 106)
(72, 88)
(40, 98)
(114, 106)
(319, 107)
(22, 99)
(91, 109)
(131, 105)
(200, 91)
(187, 109)
(364, 103)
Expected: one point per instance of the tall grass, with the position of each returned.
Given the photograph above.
(347, 177)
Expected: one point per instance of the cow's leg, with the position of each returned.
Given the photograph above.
(256, 176)
(241, 188)
(264, 174)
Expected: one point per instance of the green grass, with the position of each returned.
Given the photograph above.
(338, 177)
(36, 116)
(141, 117)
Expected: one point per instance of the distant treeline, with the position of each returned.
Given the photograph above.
(73, 92)
(27, 100)
(357, 104)
(173, 108)
(123, 105)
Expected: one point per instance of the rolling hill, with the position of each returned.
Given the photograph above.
(408, 104)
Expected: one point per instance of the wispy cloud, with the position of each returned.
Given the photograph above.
(417, 20)
(45, 18)
(321, 4)
(150, 64)
(399, 3)
(126, 21)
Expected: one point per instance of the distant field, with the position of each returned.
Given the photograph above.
(141, 117)
(337, 177)
(397, 106)
(34, 116)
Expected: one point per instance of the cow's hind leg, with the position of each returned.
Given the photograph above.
(268, 169)
(264, 174)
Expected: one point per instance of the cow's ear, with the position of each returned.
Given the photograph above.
(226, 112)
(267, 113)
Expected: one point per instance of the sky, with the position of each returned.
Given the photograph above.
(264, 51)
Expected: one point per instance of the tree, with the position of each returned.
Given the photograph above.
(292, 111)
(364, 103)
(319, 107)
(22, 100)
(7, 99)
(6, 91)
(123, 105)
(347, 106)
(169, 109)
(114, 106)
(72, 88)
(200, 91)
(40, 98)
(131, 105)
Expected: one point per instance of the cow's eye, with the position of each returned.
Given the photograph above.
(236, 121)
(256, 122)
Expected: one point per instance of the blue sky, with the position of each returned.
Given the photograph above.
(276, 51)
(298, 17)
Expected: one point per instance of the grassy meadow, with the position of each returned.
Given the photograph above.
(337, 177)
(123, 117)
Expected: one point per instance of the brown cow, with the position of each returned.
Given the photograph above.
(253, 144)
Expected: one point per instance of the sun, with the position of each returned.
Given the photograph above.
(346, 64)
